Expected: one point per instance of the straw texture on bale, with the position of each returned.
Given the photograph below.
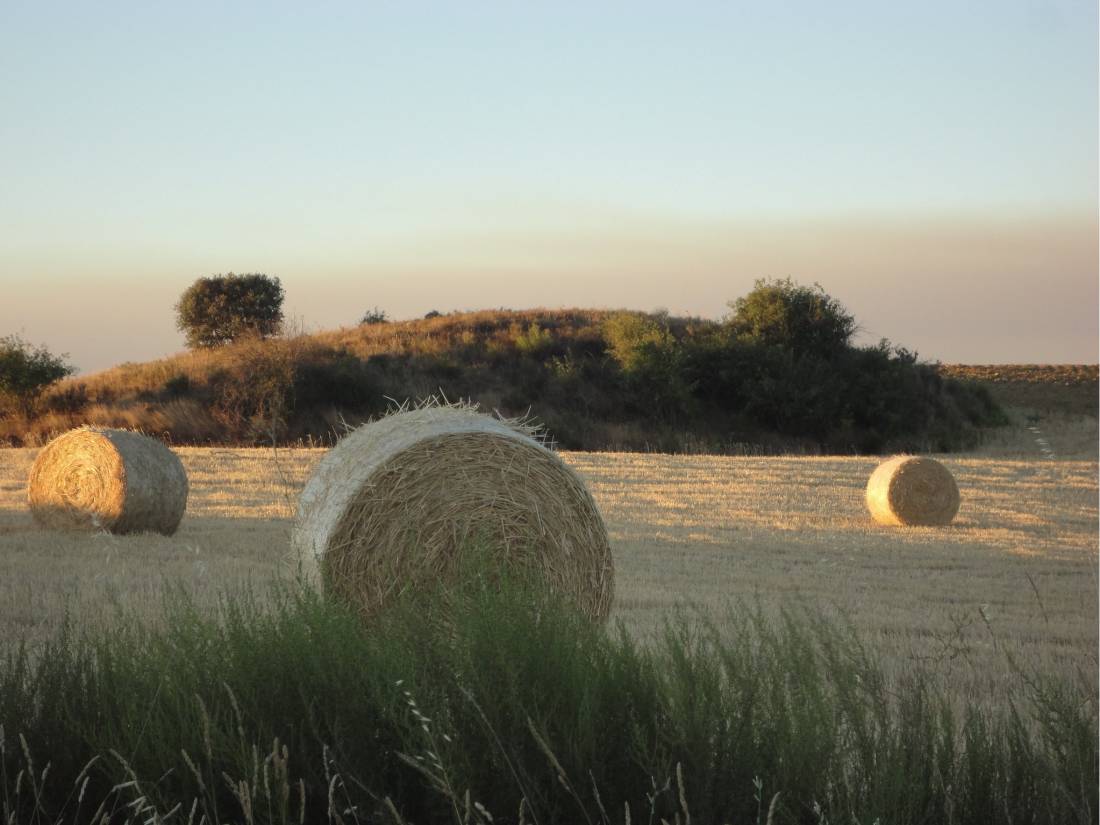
(914, 491)
(114, 480)
(392, 506)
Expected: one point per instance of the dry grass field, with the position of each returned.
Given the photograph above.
(1017, 572)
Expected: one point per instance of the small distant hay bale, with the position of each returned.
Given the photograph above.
(392, 506)
(912, 491)
(102, 479)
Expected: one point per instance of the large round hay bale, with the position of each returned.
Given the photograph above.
(911, 490)
(395, 503)
(114, 480)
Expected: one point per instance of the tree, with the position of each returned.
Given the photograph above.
(26, 371)
(633, 337)
(651, 359)
(784, 314)
(222, 308)
(374, 316)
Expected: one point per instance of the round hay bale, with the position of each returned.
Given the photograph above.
(115, 480)
(392, 506)
(910, 490)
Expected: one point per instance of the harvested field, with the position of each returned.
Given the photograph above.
(1037, 390)
(1017, 570)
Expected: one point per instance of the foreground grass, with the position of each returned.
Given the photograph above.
(511, 708)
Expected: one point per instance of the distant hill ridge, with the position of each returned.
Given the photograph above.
(690, 389)
(1065, 388)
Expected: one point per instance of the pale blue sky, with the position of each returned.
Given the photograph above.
(933, 165)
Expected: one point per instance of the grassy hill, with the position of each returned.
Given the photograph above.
(598, 380)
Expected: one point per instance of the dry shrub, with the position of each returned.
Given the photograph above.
(143, 417)
(102, 479)
(189, 422)
(911, 490)
(180, 420)
(392, 505)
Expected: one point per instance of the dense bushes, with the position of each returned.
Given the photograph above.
(515, 706)
(859, 399)
(783, 364)
(653, 363)
(597, 380)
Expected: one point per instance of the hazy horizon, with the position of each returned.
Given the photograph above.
(934, 168)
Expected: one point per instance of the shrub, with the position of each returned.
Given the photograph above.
(255, 395)
(177, 386)
(652, 361)
(632, 337)
(72, 398)
(374, 316)
(782, 313)
(222, 308)
(622, 380)
(339, 380)
(838, 397)
(531, 341)
(800, 396)
(26, 371)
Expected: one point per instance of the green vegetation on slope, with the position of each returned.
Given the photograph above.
(598, 380)
(299, 712)
(25, 373)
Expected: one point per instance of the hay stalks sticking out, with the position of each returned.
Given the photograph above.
(913, 491)
(392, 506)
(114, 480)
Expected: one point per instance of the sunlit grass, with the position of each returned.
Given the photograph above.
(1017, 570)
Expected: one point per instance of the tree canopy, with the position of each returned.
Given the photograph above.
(782, 313)
(25, 371)
(222, 308)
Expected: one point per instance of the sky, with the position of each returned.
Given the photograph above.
(932, 165)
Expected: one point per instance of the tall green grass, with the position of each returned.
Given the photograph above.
(508, 707)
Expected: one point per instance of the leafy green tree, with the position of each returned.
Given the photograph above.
(651, 359)
(26, 371)
(222, 308)
(632, 338)
(781, 313)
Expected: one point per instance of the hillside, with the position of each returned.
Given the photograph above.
(1069, 389)
(596, 379)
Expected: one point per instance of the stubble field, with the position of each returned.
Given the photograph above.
(1016, 573)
